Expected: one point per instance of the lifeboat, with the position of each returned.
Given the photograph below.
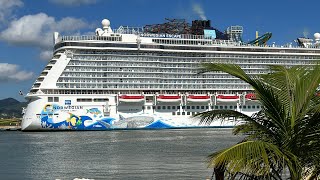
(251, 96)
(131, 98)
(228, 98)
(198, 98)
(169, 98)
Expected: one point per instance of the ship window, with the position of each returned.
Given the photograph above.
(50, 99)
(235, 107)
(163, 107)
(178, 113)
(244, 107)
(169, 107)
(225, 107)
(173, 107)
(249, 107)
(231, 107)
(198, 107)
(178, 107)
(183, 113)
(207, 107)
(253, 107)
(84, 100)
(188, 107)
(216, 107)
(202, 107)
(193, 113)
(173, 113)
(100, 99)
(158, 107)
(188, 113)
(221, 107)
(56, 99)
(183, 107)
(258, 106)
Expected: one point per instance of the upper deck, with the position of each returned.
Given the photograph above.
(136, 37)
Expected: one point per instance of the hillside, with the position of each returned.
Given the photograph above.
(11, 107)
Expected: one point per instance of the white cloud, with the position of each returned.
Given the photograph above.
(37, 30)
(29, 30)
(6, 8)
(46, 55)
(69, 24)
(12, 72)
(73, 2)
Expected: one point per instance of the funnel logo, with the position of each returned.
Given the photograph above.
(67, 102)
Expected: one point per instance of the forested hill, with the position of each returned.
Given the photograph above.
(11, 107)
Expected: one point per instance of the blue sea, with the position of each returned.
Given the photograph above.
(135, 154)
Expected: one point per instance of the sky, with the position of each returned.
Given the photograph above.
(27, 26)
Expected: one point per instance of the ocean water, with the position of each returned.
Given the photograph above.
(135, 154)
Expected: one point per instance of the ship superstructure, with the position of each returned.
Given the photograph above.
(144, 78)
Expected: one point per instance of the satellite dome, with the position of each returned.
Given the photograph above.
(105, 23)
(316, 35)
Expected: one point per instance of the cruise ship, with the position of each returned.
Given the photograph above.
(147, 78)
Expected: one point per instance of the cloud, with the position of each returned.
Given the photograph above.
(46, 55)
(12, 72)
(37, 31)
(199, 11)
(6, 8)
(29, 30)
(73, 2)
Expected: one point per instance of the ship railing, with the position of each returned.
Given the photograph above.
(128, 30)
(275, 46)
(86, 37)
(182, 36)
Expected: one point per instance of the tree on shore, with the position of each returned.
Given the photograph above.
(284, 136)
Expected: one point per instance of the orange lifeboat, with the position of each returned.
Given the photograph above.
(131, 98)
(228, 98)
(251, 96)
(168, 98)
(198, 98)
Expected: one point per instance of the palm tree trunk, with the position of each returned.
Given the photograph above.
(219, 172)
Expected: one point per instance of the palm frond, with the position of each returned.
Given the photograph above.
(255, 158)
(208, 117)
(269, 99)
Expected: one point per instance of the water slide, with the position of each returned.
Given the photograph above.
(261, 40)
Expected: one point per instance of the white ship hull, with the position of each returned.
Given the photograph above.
(68, 114)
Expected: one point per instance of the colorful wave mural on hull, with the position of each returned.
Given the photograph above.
(98, 122)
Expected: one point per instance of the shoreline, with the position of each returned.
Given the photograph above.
(10, 128)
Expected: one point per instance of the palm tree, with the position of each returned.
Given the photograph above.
(283, 137)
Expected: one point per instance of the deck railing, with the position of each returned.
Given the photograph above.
(117, 37)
